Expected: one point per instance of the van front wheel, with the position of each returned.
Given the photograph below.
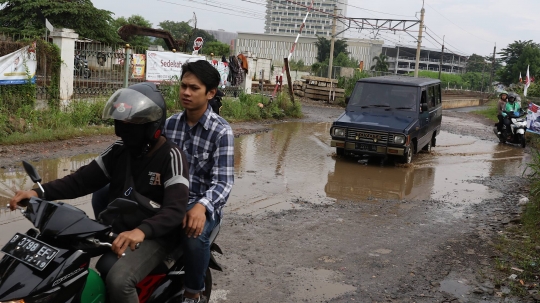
(407, 158)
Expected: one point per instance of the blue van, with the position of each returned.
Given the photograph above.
(389, 116)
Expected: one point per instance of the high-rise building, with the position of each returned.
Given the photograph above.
(285, 17)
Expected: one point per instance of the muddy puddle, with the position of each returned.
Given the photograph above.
(294, 164)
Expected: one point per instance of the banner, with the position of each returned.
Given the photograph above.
(164, 66)
(19, 66)
(533, 118)
(138, 64)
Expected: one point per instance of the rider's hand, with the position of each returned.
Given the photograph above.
(194, 220)
(21, 195)
(127, 239)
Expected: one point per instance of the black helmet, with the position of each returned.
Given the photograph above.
(512, 97)
(142, 105)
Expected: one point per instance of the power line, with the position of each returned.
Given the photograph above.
(228, 13)
(369, 10)
(446, 42)
(458, 25)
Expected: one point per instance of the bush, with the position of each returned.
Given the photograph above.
(27, 124)
(247, 108)
(349, 83)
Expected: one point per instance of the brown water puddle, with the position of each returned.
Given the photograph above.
(294, 163)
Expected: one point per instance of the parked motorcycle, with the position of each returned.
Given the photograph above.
(81, 68)
(50, 263)
(513, 131)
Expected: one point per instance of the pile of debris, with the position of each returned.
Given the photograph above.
(318, 88)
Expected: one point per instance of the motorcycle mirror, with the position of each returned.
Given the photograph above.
(123, 206)
(32, 172)
(424, 107)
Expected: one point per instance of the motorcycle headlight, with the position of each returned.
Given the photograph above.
(338, 132)
(399, 139)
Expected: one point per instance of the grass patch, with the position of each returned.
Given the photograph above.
(490, 112)
(54, 135)
(259, 107)
(520, 245)
(79, 118)
(83, 117)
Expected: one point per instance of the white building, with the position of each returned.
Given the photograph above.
(278, 46)
(285, 18)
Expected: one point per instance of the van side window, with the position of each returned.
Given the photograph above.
(423, 99)
(431, 96)
(437, 94)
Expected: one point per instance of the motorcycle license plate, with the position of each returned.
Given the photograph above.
(30, 251)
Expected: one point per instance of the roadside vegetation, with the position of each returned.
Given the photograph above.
(83, 117)
(520, 245)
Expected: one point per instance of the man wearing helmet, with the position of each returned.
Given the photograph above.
(511, 106)
(500, 109)
(208, 142)
(144, 167)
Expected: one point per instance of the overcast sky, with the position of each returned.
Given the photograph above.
(469, 26)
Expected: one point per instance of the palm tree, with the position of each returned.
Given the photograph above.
(381, 65)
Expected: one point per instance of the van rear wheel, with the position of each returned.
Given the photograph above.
(427, 147)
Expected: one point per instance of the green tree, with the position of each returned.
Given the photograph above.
(323, 48)
(135, 41)
(343, 60)
(217, 48)
(24, 17)
(297, 65)
(518, 56)
(381, 65)
(477, 63)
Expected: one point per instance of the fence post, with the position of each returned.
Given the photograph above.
(127, 65)
(65, 38)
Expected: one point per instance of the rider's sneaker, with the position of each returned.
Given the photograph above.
(201, 299)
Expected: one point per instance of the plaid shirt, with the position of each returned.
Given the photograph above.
(209, 149)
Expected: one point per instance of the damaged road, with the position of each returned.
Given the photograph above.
(303, 225)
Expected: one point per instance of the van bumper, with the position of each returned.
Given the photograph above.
(365, 148)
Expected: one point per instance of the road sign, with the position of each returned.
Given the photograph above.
(197, 44)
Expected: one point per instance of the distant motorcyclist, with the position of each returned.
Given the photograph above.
(511, 106)
(503, 98)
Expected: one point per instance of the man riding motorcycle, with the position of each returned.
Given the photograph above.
(503, 99)
(511, 106)
(143, 167)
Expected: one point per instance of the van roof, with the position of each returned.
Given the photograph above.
(401, 80)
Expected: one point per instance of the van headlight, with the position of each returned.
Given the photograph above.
(338, 132)
(399, 139)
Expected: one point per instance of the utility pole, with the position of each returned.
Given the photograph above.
(417, 65)
(332, 44)
(492, 65)
(483, 70)
(442, 55)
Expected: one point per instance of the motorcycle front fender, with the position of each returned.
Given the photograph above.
(520, 131)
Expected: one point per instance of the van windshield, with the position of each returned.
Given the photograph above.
(385, 96)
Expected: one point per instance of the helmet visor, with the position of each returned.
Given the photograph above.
(129, 105)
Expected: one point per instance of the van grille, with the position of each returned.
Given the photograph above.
(368, 136)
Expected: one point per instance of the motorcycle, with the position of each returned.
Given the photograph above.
(51, 262)
(81, 68)
(514, 131)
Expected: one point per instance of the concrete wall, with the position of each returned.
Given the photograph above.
(457, 103)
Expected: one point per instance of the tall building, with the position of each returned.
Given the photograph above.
(284, 17)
